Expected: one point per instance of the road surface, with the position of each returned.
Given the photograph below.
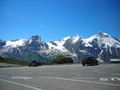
(61, 77)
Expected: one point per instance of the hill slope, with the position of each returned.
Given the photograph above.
(101, 45)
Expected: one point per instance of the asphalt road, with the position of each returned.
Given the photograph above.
(61, 77)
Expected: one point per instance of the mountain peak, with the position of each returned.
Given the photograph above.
(102, 34)
(66, 38)
(36, 37)
(75, 38)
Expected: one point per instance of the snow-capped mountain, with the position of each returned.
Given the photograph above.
(102, 39)
(15, 43)
(58, 44)
(101, 45)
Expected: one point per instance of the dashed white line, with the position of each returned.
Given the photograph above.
(21, 77)
(110, 79)
(59, 78)
(21, 84)
(103, 79)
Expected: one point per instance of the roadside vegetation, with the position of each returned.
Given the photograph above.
(13, 61)
(57, 60)
(62, 60)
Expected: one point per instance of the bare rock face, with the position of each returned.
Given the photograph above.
(101, 45)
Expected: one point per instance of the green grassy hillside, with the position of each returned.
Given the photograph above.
(13, 61)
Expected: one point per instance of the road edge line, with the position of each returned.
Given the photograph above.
(21, 84)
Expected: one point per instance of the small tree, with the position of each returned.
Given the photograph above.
(62, 60)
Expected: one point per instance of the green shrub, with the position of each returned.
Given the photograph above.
(62, 60)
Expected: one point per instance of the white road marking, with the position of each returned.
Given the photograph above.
(115, 78)
(59, 78)
(110, 79)
(104, 79)
(21, 77)
(21, 84)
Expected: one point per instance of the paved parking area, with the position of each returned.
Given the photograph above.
(61, 77)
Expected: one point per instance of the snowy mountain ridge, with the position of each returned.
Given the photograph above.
(102, 38)
(16, 43)
(101, 45)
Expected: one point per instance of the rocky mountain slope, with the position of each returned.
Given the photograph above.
(101, 45)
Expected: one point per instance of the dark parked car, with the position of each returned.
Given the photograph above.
(34, 64)
(90, 61)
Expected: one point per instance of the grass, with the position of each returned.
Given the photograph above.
(8, 66)
(13, 61)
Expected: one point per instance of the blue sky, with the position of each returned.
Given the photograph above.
(55, 19)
